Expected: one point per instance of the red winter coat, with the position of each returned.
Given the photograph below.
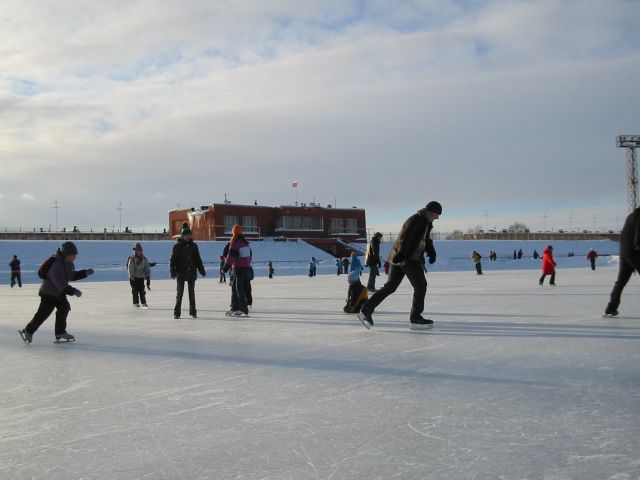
(548, 263)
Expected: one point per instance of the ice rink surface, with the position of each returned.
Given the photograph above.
(515, 381)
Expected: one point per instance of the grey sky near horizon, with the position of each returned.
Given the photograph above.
(504, 107)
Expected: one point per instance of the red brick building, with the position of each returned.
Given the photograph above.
(324, 227)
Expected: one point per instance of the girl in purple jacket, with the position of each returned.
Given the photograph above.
(239, 259)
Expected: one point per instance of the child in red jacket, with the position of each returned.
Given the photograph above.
(548, 266)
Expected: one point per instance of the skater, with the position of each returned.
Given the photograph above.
(629, 259)
(477, 259)
(386, 267)
(239, 260)
(223, 275)
(313, 267)
(184, 266)
(591, 256)
(16, 277)
(357, 294)
(271, 269)
(345, 266)
(56, 272)
(520, 254)
(372, 260)
(515, 254)
(356, 264)
(139, 269)
(406, 259)
(339, 266)
(536, 255)
(548, 266)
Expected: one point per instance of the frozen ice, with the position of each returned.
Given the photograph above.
(515, 381)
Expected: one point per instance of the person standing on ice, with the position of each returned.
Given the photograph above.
(356, 264)
(339, 266)
(271, 269)
(406, 259)
(313, 267)
(477, 259)
(56, 272)
(239, 260)
(223, 275)
(372, 260)
(345, 266)
(15, 272)
(548, 266)
(536, 255)
(629, 260)
(591, 256)
(139, 269)
(184, 266)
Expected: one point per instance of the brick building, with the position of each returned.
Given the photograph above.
(324, 227)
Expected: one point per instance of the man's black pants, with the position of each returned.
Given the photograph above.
(191, 285)
(47, 306)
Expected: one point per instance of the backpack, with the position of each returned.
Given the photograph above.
(44, 268)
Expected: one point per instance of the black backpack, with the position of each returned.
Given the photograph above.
(44, 268)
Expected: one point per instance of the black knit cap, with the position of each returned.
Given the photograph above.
(68, 248)
(434, 207)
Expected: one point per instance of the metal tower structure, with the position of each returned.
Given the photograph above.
(630, 143)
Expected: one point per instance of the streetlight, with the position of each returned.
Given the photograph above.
(120, 209)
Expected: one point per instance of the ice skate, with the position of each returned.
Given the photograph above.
(136, 305)
(194, 315)
(421, 323)
(65, 338)
(26, 336)
(145, 306)
(366, 319)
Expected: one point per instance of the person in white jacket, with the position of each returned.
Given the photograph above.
(139, 269)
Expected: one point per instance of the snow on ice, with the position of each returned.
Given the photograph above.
(515, 381)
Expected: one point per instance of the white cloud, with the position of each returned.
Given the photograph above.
(27, 197)
(380, 104)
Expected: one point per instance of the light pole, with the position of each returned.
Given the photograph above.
(630, 143)
(120, 209)
(56, 207)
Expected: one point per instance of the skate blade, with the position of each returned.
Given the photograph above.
(363, 321)
(64, 341)
(24, 339)
(417, 328)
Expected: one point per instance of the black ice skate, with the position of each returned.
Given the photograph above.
(421, 323)
(26, 336)
(65, 338)
(366, 319)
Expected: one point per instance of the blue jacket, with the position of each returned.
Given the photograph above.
(356, 264)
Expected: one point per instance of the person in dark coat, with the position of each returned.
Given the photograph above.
(536, 255)
(520, 254)
(591, 256)
(345, 266)
(184, 266)
(515, 254)
(16, 277)
(270, 269)
(406, 259)
(372, 260)
(54, 291)
(629, 259)
(223, 275)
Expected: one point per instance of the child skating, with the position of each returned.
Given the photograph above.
(548, 266)
(139, 269)
(56, 273)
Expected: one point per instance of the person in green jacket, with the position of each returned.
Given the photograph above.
(477, 259)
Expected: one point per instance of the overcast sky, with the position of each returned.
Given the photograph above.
(505, 107)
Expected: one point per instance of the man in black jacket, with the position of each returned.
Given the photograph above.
(629, 259)
(372, 261)
(185, 264)
(15, 272)
(406, 259)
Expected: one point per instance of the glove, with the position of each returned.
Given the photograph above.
(204, 274)
(398, 258)
(432, 259)
(91, 271)
(77, 293)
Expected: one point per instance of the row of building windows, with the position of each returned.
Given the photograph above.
(293, 222)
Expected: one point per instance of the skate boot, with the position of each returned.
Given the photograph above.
(421, 323)
(145, 306)
(610, 312)
(365, 318)
(26, 336)
(65, 337)
(194, 315)
(136, 305)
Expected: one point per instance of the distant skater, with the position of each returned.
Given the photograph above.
(520, 253)
(139, 269)
(629, 259)
(536, 255)
(386, 267)
(16, 277)
(356, 264)
(313, 267)
(591, 256)
(184, 266)
(406, 259)
(345, 266)
(239, 260)
(56, 272)
(477, 259)
(223, 274)
(548, 266)
(372, 260)
(271, 269)
(339, 266)
(515, 254)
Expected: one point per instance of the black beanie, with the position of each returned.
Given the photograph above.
(68, 248)
(434, 207)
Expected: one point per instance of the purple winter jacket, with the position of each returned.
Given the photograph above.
(239, 254)
(56, 284)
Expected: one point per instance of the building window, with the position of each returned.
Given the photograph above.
(229, 222)
(298, 223)
(250, 224)
(336, 226)
(352, 225)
